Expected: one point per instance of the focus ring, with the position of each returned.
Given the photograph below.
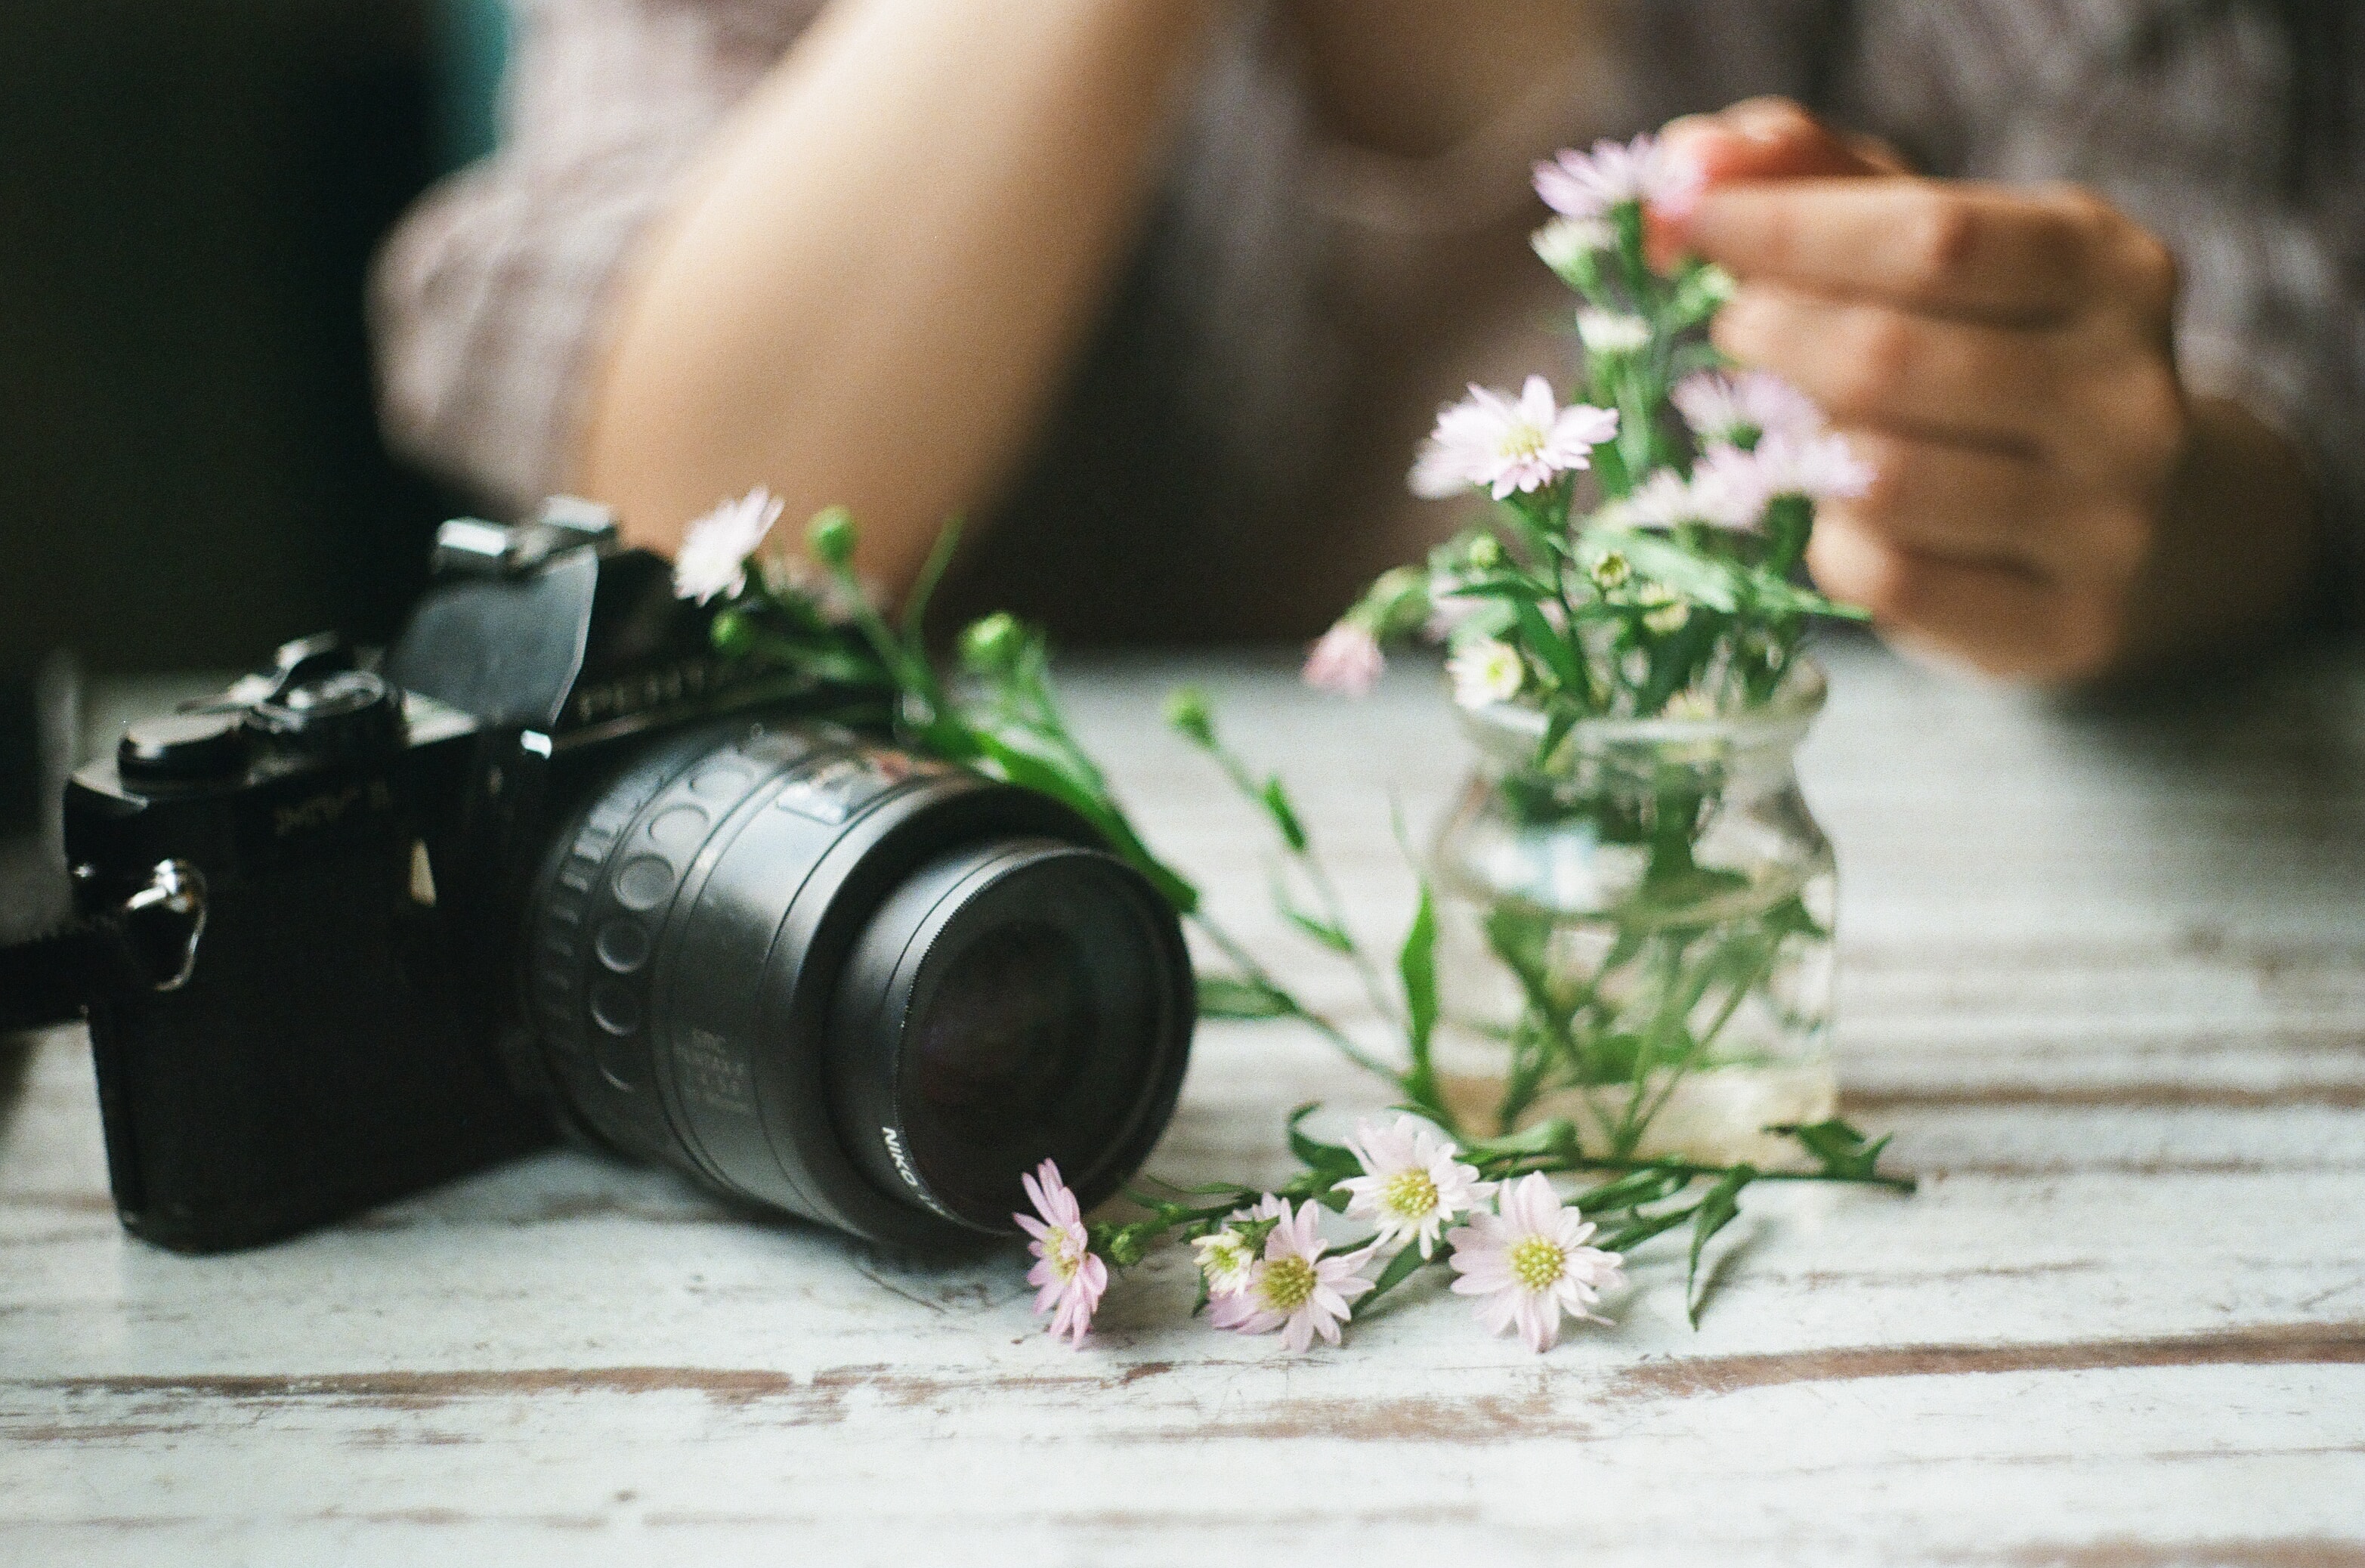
(605, 897)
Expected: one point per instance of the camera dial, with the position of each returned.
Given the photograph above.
(182, 748)
(349, 713)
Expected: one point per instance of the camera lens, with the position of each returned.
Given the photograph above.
(998, 1011)
(828, 977)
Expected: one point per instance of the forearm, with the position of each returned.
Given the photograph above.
(871, 287)
(2237, 545)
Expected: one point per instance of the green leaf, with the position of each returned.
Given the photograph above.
(1401, 1267)
(1650, 1184)
(1774, 593)
(1556, 1137)
(1316, 1155)
(1643, 1227)
(1031, 771)
(1562, 719)
(1715, 1211)
(1842, 1150)
(1284, 815)
(1222, 996)
(1538, 637)
(1321, 930)
(1335, 938)
(1417, 963)
(1610, 469)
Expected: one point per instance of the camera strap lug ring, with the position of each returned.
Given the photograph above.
(166, 920)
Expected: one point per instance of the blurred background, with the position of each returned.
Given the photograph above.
(190, 468)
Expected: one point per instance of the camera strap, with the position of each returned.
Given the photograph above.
(43, 981)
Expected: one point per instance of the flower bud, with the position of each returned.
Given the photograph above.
(1187, 715)
(1125, 1245)
(1609, 332)
(830, 536)
(730, 635)
(1572, 247)
(992, 645)
(1486, 553)
(1397, 603)
(1611, 572)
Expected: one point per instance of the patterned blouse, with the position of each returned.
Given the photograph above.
(1297, 309)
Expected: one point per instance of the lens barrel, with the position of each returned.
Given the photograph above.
(827, 977)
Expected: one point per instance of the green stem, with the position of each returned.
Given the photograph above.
(1259, 976)
(1758, 970)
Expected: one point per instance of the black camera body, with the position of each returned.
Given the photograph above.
(275, 1039)
(559, 868)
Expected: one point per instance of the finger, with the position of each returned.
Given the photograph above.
(1879, 155)
(1973, 505)
(1962, 249)
(1892, 369)
(1764, 138)
(1999, 620)
(1966, 502)
(1758, 139)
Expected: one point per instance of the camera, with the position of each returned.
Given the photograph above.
(554, 867)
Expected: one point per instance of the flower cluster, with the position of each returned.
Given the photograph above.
(1265, 1267)
(1644, 531)
(1637, 563)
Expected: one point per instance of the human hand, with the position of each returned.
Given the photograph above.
(2002, 356)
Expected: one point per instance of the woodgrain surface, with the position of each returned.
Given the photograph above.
(2103, 975)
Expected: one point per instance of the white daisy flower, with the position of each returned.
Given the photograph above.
(1485, 671)
(1725, 491)
(714, 554)
(1346, 659)
(1412, 1181)
(1226, 1260)
(1069, 1277)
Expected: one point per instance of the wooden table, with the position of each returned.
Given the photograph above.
(2104, 975)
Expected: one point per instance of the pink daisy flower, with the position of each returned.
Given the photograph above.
(1071, 1277)
(1588, 184)
(1725, 490)
(1490, 440)
(1529, 1263)
(1294, 1287)
(1345, 660)
(1740, 409)
(714, 554)
(1819, 467)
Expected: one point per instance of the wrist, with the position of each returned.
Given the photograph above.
(2238, 545)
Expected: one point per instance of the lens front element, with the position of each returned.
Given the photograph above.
(1009, 1023)
(1012, 1003)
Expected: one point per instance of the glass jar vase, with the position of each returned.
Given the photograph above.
(1634, 931)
